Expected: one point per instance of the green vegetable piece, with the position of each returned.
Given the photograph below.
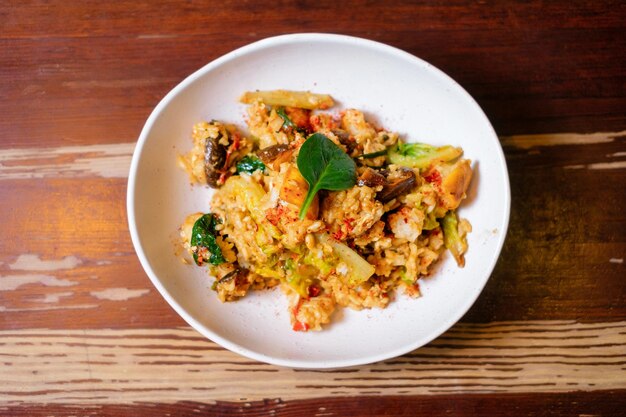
(404, 277)
(430, 222)
(300, 283)
(373, 154)
(359, 269)
(203, 238)
(451, 238)
(325, 167)
(421, 155)
(249, 164)
(287, 121)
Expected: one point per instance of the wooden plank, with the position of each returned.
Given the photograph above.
(35, 19)
(582, 404)
(79, 71)
(106, 161)
(127, 366)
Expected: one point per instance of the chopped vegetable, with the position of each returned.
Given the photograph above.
(287, 123)
(430, 222)
(359, 269)
(204, 243)
(298, 277)
(325, 266)
(249, 164)
(301, 99)
(421, 155)
(453, 241)
(286, 120)
(251, 194)
(325, 167)
(236, 274)
(293, 190)
(214, 158)
(371, 178)
(373, 154)
(275, 155)
(454, 183)
(398, 186)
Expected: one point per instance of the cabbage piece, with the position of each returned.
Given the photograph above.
(251, 195)
(298, 277)
(421, 155)
(454, 242)
(359, 270)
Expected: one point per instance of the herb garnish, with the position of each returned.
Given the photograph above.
(249, 164)
(203, 239)
(287, 122)
(325, 166)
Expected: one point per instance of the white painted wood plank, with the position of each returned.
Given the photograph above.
(177, 364)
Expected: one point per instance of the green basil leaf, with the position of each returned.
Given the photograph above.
(203, 238)
(325, 166)
(249, 164)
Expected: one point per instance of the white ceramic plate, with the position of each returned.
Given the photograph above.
(394, 89)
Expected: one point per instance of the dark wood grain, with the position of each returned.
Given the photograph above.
(74, 71)
(598, 403)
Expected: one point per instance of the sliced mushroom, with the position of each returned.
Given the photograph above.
(236, 274)
(371, 178)
(345, 139)
(398, 185)
(275, 155)
(214, 159)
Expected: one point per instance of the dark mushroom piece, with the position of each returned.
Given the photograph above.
(397, 186)
(237, 274)
(345, 139)
(371, 178)
(275, 155)
(214, 160)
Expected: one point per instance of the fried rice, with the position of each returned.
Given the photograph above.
(357, 247)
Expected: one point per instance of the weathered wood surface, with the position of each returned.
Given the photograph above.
(82, 331)
(180, 365)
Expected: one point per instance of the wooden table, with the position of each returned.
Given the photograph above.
(82, 330)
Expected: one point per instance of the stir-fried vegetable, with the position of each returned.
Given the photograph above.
(325, 167)
(287, 122)
(293, 191)
(215, 156)
(301, 99)
(249, 164)
(299, 277)
(251, 194)
(359, 270)
(373, 154)
(454, 183)
(421, 155)
(204, 242)
(453, 241)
